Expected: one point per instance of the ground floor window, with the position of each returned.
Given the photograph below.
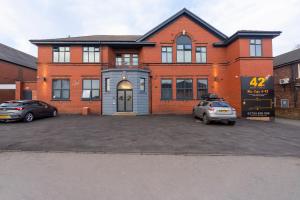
(166, 89)
(61, 89)
(284, 103)
(107, 85)
(142, 84)
(202, 87)
(184, 89)
(90, 89)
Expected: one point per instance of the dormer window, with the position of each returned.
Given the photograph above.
(184, 49)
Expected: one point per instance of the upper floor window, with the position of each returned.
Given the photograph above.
(61, 54)
(201, 55)
(184, 49)
(91, 54)
(166, 54)
(127, 59)
(255, 47)
(298, 70)
(135, 59)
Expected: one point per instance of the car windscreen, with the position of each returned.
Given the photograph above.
(10, 104)
(220, 104)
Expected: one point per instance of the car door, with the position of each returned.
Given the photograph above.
(197, 109)
(46, 109)
(203, 108)
(37, 109)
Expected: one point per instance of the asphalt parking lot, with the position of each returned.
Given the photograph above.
(162, 134)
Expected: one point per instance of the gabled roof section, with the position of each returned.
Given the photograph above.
(193, 17)
(287, 58)
(248, 34)
(15, 56)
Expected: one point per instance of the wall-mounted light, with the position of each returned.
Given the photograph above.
(236, 76)
(44, 79)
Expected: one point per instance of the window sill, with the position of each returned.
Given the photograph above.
(186, 99)
(60, 100)
(90, 99)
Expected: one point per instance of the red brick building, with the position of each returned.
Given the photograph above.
(165, 70)
(287, 83)
(16, 66)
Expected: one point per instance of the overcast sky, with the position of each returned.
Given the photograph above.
(21, 20)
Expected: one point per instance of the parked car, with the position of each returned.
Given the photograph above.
(26, 110)
(215, 110)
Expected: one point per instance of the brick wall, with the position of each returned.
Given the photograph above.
(286, 91)
(10, 73)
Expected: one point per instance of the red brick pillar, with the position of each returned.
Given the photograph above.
(18, 90)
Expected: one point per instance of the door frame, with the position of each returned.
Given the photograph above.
(124, 100)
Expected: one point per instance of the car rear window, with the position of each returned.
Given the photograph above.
(10, 104)
(220, 104)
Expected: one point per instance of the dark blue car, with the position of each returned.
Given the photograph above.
(26, 110)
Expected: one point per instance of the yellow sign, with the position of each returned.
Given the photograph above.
(258, 82)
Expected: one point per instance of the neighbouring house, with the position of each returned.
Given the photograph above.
(287, 84)
(17, 69)
(166, 70)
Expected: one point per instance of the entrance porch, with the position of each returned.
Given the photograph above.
(125, 91)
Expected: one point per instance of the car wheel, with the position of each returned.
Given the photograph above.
(205, 119)
(28, 117)
(54, 113)
(231, 123)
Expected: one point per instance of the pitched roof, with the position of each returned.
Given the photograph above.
(17, 57)
(287, 58)
(139, 40)
(96, 38)
(192, 16)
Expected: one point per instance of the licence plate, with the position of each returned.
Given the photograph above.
(223, 110)
(4, 117)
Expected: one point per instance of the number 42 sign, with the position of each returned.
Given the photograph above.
(258, 82)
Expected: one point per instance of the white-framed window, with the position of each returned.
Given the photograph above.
(284, 103)
(61, 54)
(91, 54)
(298, 70)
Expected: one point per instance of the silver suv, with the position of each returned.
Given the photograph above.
(215, 111)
